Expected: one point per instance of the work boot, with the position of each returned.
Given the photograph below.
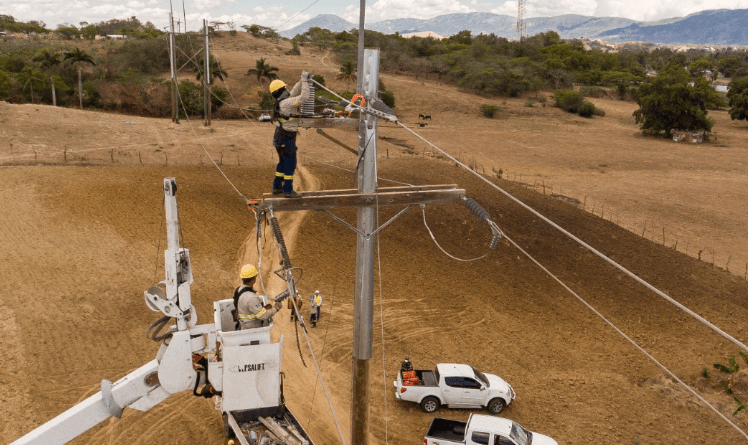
(293, 194)
(277, 191)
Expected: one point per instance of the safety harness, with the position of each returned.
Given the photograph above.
(279, 117)
(238, 293)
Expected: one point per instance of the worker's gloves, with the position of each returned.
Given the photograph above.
(278, 306)
(306, 76)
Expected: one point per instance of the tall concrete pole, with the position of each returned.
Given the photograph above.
(206, 75)
(363, 302)
(172, 63)
(360, 61)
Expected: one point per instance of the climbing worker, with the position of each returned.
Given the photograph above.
(299, 303)
(316, 307)
(251, 310)
(286, 113)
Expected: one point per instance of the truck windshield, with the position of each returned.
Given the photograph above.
(482, 377)
(520, 435)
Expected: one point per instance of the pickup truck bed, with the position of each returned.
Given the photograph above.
(426, 377)
(447, 429)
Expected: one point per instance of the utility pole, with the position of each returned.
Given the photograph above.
(206, 77)
(172, 63)
(363, 300)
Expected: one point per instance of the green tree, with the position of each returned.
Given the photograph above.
(347, 73)
(48, 60)
(67, 31)
(30, 77)
(737, 97)
(699, 68)
(6, 85)
(78, 57)
(669, 101)
(263, 70)
(215, 70)
(730, 65)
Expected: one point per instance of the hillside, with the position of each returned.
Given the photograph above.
(82, 227)
(711, 27)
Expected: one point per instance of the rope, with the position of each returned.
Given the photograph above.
(627, 338)
(423, 210)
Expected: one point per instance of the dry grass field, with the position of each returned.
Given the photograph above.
(82, 205)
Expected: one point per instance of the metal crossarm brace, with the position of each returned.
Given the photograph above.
(350, 198)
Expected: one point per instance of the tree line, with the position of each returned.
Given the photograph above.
(490, 65)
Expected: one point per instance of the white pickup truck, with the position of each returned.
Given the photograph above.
(456, 386)
(483, 430)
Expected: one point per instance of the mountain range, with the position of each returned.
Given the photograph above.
(712, 27)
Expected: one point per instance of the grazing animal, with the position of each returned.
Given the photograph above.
(424, 116)
(422, 124)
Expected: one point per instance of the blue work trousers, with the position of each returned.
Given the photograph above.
(286, 164)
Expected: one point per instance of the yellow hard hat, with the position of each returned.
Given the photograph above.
(248, 271)
(276, 85)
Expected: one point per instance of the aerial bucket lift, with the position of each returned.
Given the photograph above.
(243, 367)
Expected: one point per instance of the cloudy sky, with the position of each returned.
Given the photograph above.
(286, 14)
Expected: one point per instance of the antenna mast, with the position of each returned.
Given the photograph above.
(521, 22)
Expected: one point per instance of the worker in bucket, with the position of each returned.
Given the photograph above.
(251, 310)
(316, 308)
(286, 113)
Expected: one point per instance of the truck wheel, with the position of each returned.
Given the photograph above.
(430, 404)
(496, 406)
(227, 430)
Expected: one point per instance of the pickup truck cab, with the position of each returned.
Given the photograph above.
(483, 430)
(456, 386)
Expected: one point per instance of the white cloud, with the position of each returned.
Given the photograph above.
(644, 10)
(399, 9)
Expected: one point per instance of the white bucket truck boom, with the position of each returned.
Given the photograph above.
(243, 366)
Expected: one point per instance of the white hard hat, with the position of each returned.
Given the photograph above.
(317, 291)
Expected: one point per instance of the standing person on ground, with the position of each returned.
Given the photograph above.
(285, 113)
(251, 311)
(316, 308)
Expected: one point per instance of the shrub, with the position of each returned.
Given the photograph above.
(388, 97)
(587, 109)
(266, 100)
(598, 112)
(319, 79)
(294, 51)
(529, 102)
(568, 100)
(489, 110)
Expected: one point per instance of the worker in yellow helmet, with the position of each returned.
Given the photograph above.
(251, 310)
(286, 113)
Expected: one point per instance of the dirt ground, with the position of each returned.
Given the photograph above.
(82, 238)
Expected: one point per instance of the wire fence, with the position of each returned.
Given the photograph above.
(650, 229)
(183, 153)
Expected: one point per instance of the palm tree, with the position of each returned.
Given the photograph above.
(215, 70)
(78, 57)
(347, 73)
(30, 76)
(262, 69)
(47, 60)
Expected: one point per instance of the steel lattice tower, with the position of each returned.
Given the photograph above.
(521, 23)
